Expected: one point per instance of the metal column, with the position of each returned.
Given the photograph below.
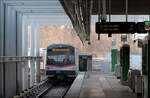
(10, 50)
(37, 29)
(114, 59)
(148, 65)
(32, 52)
(1, 48)
(19, 53)
(25, 53)
(124, 61)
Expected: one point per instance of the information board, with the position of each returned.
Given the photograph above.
(115, 27)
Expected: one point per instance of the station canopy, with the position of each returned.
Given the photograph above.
(80, 11)
(117, 6)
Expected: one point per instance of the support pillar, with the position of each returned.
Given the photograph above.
(10, 50)
(19, 53)
(32, 52)
(37, 29)
(124, 61)
(25, 53)
(148, 66)
(114, 52)
(2, 18)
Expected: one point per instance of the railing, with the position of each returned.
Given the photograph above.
(18, 58)
(32, 77)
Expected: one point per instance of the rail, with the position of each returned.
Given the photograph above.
(35, 91)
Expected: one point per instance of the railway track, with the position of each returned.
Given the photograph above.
(47, 89)
(58, 90)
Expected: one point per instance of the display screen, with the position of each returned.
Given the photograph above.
(58, 50)
(115, 27)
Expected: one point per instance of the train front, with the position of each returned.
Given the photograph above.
(60, 61)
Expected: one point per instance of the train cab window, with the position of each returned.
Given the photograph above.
(60, 60)
(61, 56)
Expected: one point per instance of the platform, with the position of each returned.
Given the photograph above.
(98, 85)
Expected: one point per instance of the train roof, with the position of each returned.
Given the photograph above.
(59, 45)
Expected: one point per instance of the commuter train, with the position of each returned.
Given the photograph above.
(61, 61)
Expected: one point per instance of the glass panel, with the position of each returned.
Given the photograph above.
(60, 60)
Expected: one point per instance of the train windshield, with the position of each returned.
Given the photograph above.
(60, 56)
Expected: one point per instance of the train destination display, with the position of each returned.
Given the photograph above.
(115, 27)
(121, 27)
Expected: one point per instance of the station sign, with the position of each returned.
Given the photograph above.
(113, 43)
(123, 38)
(115, 27)
(147, 25)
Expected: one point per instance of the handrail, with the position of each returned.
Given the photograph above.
(18, 58)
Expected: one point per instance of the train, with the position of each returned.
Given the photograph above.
(61, 61)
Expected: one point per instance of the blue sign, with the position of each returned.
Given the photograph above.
(113, 43)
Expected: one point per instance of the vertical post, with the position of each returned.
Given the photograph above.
(148, 65)
(145, 67)
(114, 59)
(19, 53)
(109, 10)
(125, 61)
(126, 10)
(2, 18)
(37, 53)
(25, 53)
(32, 48)
(104, 17)
(10, 50)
